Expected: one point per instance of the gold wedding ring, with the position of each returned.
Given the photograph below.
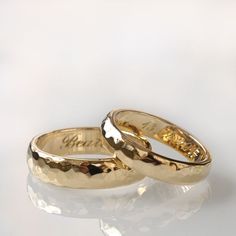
(51, 158)
(143, 159)
(55, 157)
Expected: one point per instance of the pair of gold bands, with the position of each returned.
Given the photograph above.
(53, 157)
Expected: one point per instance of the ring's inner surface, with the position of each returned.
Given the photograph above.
(73, 142)
(162, 131)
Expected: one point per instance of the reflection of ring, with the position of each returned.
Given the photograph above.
(161, 205)
(149, 163)
(50, 158)
(146, 204)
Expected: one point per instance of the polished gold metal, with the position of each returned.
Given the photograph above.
(51, 158)
(143, 159)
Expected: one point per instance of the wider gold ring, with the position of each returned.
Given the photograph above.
(147, 162)
(50, 158)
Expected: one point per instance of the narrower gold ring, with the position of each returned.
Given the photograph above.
(143, 159)
(51, 158)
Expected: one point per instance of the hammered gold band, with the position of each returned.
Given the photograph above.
(50, 158)
(147, 162)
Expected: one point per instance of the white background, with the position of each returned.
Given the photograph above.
(68, 63)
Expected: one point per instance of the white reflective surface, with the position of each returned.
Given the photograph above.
(68, 63)
(132, 210)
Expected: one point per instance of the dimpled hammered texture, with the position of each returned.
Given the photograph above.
(147, 162)
(49, 159)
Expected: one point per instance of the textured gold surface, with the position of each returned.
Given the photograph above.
(50, 158)
(147, 162)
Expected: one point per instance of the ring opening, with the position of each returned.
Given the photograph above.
(162, 131)
(72, 142)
